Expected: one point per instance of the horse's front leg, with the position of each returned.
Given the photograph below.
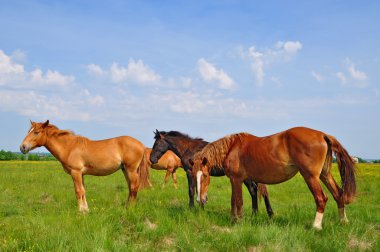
(236, 199)
(191, 185)
(79, 190)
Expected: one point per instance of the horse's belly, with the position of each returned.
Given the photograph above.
(98, 170)
(273, 175)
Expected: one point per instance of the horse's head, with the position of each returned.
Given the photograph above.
(160, 146)
(36, 137)
(201, 173)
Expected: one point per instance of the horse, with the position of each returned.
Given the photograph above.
(81, 156)
(185, 147)
(275, 159)
(169, 162)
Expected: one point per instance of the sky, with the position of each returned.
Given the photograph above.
(205, 68)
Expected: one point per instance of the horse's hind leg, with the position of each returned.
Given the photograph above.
(252, 189)
(80, 192)
(319, 196)
(167, 176)
(336, 192)
(174, 176)
(262, 188)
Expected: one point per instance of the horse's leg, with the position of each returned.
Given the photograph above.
(191, 185)
(252, 189)
(167, 176)
(319, 196)
(263, 190)
(236, 199)
(132, 178)
(174, 176)
(80, 192)
(336, 192)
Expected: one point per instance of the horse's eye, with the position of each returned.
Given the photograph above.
(36, 133)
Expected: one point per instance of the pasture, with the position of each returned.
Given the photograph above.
(38, 212)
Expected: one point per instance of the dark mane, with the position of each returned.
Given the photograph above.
(179, 134)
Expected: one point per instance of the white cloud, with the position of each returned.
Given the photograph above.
(14, 75)
(33, 104)
(317, 76)
(260, 59)
(95, 70)
(341, 77)
(355, 73)
(210, 73)
(136, 71)
(257, 65)
(50, 78)
(292, 47)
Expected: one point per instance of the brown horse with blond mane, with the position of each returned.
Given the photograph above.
(169, 162)
(81, 156)
(275, 159)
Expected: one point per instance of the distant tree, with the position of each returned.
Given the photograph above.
(361, 160)
(33, 157)
(376, 161)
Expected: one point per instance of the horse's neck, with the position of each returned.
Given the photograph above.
(58, 145)
(186, 148)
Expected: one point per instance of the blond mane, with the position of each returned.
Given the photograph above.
(216, 151)
(54, 131)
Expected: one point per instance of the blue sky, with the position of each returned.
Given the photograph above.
(206, 68)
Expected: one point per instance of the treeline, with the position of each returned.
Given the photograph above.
(8, 155)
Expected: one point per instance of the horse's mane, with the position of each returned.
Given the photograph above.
(55, 131)
(216, 152)
(178, 134)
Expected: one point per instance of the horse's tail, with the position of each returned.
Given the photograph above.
(346, 168)
(143, 171)
(263, 190)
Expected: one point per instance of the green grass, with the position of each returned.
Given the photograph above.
(38, 212)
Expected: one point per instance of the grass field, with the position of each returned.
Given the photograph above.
(38, 212)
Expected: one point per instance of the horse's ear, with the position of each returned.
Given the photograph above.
(191, 161)
(45, 124)
(156, 134)
(31, 123)
(204, 161)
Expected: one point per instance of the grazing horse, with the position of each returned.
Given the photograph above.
(275, 159)
(80, 156)
(185, 147)
(169, 162)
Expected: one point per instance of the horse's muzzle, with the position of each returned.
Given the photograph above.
(24, 148)
(203, 201)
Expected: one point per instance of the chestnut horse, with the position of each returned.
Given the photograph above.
(169, 162)
(185, 147)
(80, 156)
(275, 159)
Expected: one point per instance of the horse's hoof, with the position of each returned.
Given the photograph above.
(344, 221)
(317, 227)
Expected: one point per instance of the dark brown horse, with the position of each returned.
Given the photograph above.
(185, 147)
(80, 156)
(275, 159)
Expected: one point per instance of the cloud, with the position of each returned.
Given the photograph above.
(136, 72)
(317, 76)
(96, 70)
(341, 77)
(257, 65)
(292, 47)
(210, 73)
(354, 72)
(14, 75)
(281, 52)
